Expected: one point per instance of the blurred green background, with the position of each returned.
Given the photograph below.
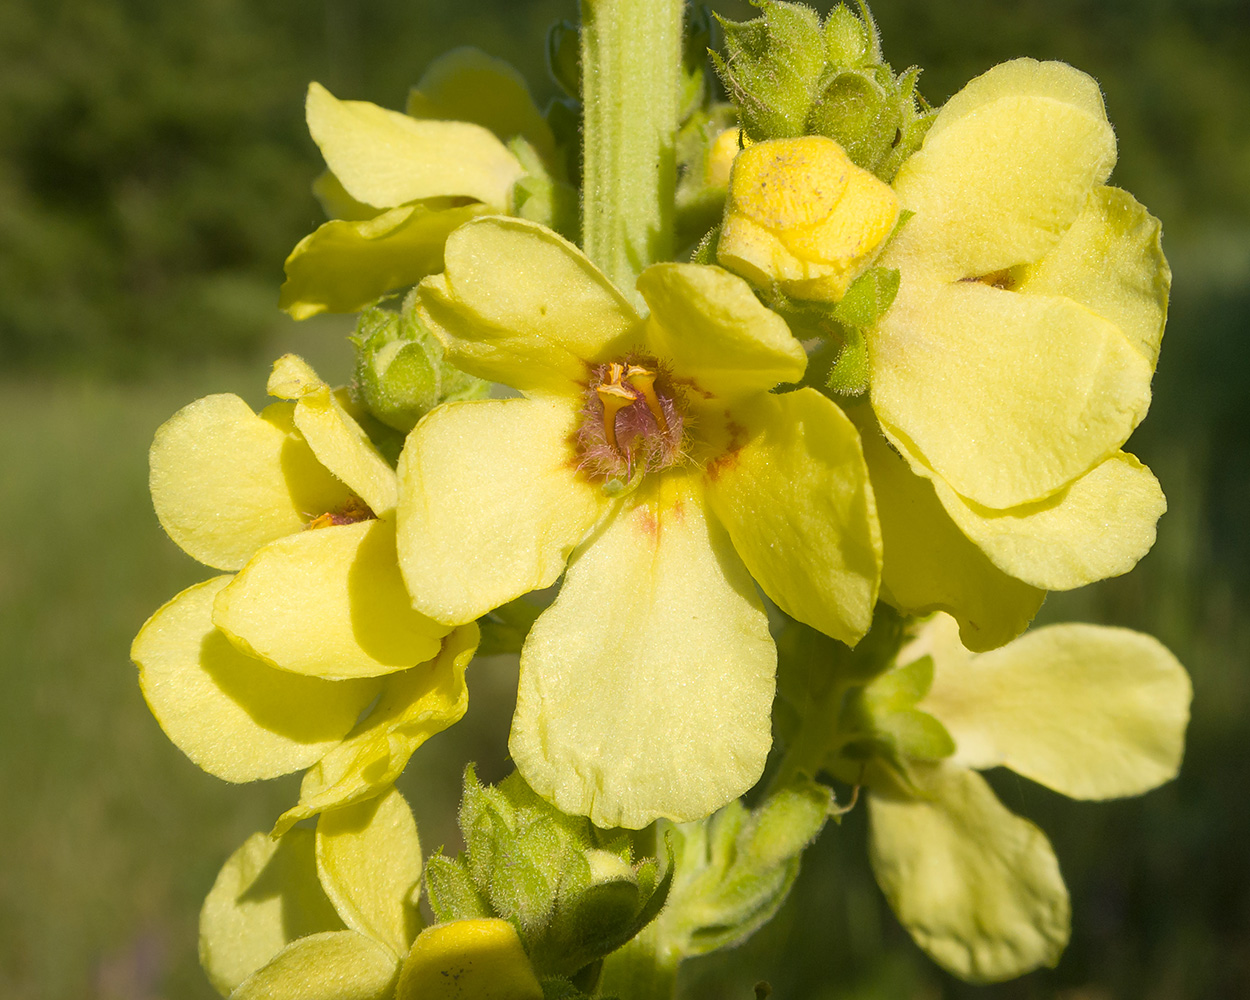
(154, 172)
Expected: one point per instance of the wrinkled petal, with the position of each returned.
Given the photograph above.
(414, 706)
(386, 159)
(369, 862)
(226, 481)
(344, 265)
(520, 305)
(492, 504)
(236, 717)
(265, 896)
(977, 887)
(1097, 527)
(1007, 397)
(335, 438)
(930, 565)
(645, 688)
(328, 602)
(1090, 711)
(1111, 262)
(467, 85)
(468, 960)
(798, 506)
(714, 330)
(339, 965)
(1003, 172)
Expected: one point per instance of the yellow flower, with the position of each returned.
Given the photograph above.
(650, 458)
(267, 671)
(332, 913)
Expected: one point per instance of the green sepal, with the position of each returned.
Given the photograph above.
(848, 375)
(852, 39)
(451, 891)
(886, 722)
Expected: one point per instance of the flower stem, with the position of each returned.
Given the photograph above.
(643, 969)
(631, 60)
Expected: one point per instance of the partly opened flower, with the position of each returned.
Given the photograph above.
(331, 914)
(1091, 712)
(650, 457)
(266, 671)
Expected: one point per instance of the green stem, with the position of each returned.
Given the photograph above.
(631, 62)
(643, 969)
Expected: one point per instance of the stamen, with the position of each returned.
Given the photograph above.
(644, 381)
(614, 397)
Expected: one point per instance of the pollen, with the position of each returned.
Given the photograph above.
(632, 421)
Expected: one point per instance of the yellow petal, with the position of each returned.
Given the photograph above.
(977, 887)
(1095, 528)
(343, 265)
(236, 717)
(226, 481)
(415, 704)
(492, 504)
(468, 960)
(1112, 263)
(369, 862)
(1090, 711)
(929, 565)
(520, 305)
(1003, 172)
(340, 965)
(714, 330)
(265, 896)
(1007, 397)
(645, 688)
(328, 602)
(798, 506)
(387, 159)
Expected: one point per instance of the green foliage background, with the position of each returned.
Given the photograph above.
(154, 172)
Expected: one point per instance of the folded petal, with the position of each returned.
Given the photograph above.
(1111, 262)
(930, 565)
(798, 506)
(977, 887)
(1007, 397)
(328, 602)
(479, 959)
(714, 330)
(1090, 711)
(492, 504)
(645, 688)
(386, 159)
(369, 862)
(1097, 527)
(1003, 172)
(414, 705)
(520, 305)
(338, 965)
(344, 265)
(236, 717)
(226, 481)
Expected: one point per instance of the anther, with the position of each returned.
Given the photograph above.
(644, 382)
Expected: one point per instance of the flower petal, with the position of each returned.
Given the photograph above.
(1090, 711)
(226, 481)
(330, 603)
(1007, 397)
(520, 305)
(479, 959)
(342, 266)
(715, 331)
(492, 504)
(236, 717)
(1097, 527)
(385, 158)
(1111, 262)
(929, 565)
(645, 688)
(369, 862)
(265, 896)
(339, 965)
(798, 506)
(1003, 172)
(977, 887)
(415, 704)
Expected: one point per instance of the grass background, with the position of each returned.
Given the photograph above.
(153, 174)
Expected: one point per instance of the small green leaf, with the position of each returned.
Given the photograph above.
(868, 298)
(451, 891)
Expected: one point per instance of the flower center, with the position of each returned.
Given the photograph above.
(353, 510)
(633, 420)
